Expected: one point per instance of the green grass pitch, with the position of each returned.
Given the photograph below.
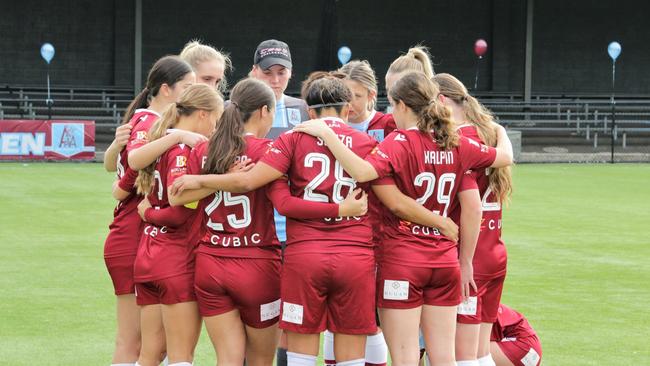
(578, 238)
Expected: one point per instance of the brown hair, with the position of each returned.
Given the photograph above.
(416, 59)
(167, 70)
(196, 52)
(361, 72)
(420, 94)
(482, 118)
(324, 89)
(197, 97)
(227, 142)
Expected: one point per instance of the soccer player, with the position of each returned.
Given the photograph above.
(360, 78)
(209, 64)
(167, 78)
(164, 265)
(418, 278)
(272, 64)
(479, 311)
(513, 341)
(237, 278)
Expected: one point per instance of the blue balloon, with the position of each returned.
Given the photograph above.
(47, 52)
(345, 53)
(614, 50)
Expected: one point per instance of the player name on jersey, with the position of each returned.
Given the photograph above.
(346, 140)
(438, 157)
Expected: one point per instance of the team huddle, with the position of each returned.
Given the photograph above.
(382, 230)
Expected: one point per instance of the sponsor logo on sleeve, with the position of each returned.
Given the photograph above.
(468, 307)
(531, 358)
(396, 290)
(292, 313)
(270, 310)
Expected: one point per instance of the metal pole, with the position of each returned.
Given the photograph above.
(49, 100)
(137, 69)
(613, 108)
(528, 73)
(478, 60)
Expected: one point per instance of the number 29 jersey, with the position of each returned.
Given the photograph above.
(315, 175)
(429, 175)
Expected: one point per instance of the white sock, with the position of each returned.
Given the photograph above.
(467, 363)
(486, 361)
(376, 349)
(328, 348)
(165, 361)
(181, 364)
(299, 359)
(123, 364)
(357, 362)
(136, 364)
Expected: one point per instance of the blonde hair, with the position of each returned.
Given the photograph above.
(362, 72)
(420, 94)
(196, 52)
(197, 97)
(482, 118)
(416, 59)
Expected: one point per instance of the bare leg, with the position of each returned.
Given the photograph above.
(401, 330)
(127, 339)
(261, 345)
(228, 337)
(182, 329)
(439, 329)
(153, 335)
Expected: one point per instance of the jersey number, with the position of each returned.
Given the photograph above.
(339, 175)
(229, 200)
(445, 184)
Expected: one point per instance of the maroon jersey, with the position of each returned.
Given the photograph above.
(429, 175)
(381, 125)
(510, 324)
(490, 257)
(237, 225)
(315, 175)
(171, 233)
(126, 227)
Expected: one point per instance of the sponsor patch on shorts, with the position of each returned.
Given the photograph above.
(270, 310)
(396, 290)
(531, 358)
(468, 307)
(292, 313)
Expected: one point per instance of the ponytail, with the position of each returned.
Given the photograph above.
(420, 94)
(483, 119)
(437, 117)
(227, 142)
(169, 118)
(140, 101)
(416, 59)
(167, 70)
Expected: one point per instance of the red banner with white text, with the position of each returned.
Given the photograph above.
(47, 140)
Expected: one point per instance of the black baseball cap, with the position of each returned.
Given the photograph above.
(272, 52)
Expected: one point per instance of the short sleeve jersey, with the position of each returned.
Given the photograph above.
(510, 324)
(167, 251)
(237, 225)
(490, 258)
(428, 174)
(126, 226)
(315, 175)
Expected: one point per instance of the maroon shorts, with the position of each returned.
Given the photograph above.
(332, 291)
(482, 305)
(121, 271)
(525, 351)
(249, 285)
(403, 287)
(167, 291)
